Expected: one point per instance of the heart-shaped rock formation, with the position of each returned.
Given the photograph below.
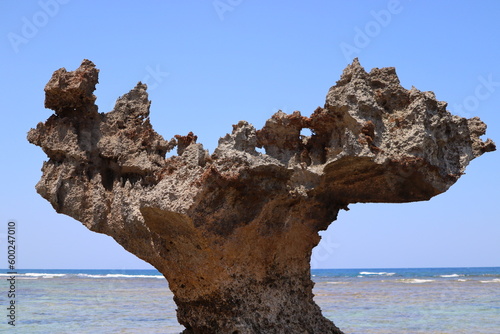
(233, 231)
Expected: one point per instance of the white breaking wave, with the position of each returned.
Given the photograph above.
(495, 280)
(416, 280)
(382, 273)
(133, 276)
(452, 275)
(42, 275)
(24, 278)
(51, 275)
(120, 276)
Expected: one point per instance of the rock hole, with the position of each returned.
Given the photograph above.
(261, 150)
(306, 132)
(133, 178)
(170, 154)
(108, 177)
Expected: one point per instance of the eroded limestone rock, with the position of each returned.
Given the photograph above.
(233, 231)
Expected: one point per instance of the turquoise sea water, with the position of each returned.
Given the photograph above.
(359, 301)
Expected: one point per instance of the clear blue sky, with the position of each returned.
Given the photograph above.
(210, 64)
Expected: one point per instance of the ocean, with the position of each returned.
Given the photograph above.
(359, 301)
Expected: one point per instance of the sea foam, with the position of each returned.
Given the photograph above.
(119, 276)
(43, 275)
(381, 273)
(495, 280)
(415, 280)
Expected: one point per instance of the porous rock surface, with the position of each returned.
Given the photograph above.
(233, 231)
